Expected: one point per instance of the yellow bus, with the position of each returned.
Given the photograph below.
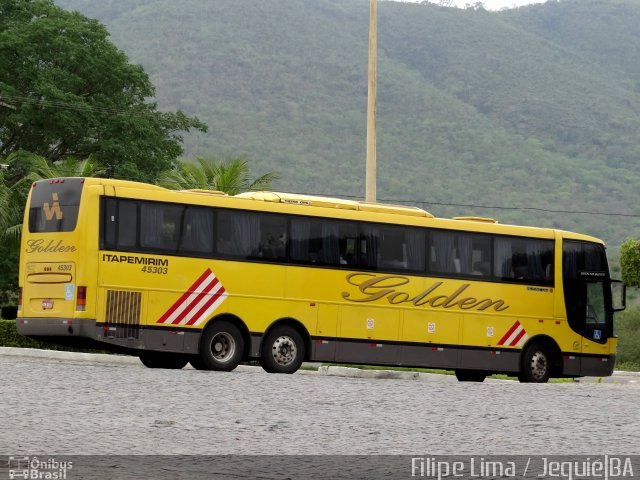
(215, 280)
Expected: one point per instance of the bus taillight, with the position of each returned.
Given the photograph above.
(81, 299)
(19, 299)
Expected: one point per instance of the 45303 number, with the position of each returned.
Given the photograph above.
(156, 270)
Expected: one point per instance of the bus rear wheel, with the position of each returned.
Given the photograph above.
(536, 364)
(470, 375)
(221, 348)
(283, 350)
(173, 361)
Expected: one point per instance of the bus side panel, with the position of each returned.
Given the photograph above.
(437, 332)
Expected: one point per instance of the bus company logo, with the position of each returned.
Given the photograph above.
(38, 245)
(52, 210)
(196, 304)
(374, 287)
(35, 468)
(515, 336)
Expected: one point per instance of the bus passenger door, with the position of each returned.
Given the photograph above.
(598, 321)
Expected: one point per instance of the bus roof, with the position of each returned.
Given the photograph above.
(345, 209)
(329, 202)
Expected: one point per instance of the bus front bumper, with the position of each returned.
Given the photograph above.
(598, 366)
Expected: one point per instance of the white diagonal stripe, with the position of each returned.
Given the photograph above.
(178, 311)
(522, 340)
(201, 303)
(513, 336)
(211, 309)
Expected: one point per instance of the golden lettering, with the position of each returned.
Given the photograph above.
(467, 303)
(374, 287)
(422, 298)
(440, 299)
(498, 305)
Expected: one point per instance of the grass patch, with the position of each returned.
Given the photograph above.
(628, 366)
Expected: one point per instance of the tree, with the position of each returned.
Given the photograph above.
(230, 176)
(630, 262)
(66, 90)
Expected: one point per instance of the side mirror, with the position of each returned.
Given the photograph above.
(619, 295)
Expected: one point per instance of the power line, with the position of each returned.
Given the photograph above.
(426, 202)
(119, 111)
(60, 104)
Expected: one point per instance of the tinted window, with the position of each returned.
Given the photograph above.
(109, 224)
(54, 206)
(197, 231)
(120, 225)
(392, 248)
(460, 253)
(582, 256)
(323, 241)
(127, 222)
(252, 235)
(160, 226)
(523, 259)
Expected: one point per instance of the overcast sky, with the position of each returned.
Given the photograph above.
(498, 4)
(493, 4)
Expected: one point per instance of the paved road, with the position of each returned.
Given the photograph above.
(68, 408)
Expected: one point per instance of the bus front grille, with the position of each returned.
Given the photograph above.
(122, 319)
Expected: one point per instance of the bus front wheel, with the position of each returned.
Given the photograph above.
(174, 361)
(536, 364)
(221, 348)
(283, 350)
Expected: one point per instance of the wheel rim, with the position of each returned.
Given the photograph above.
(539, 365)
(284, 350)
(223, 346)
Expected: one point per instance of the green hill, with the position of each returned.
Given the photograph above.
(531, 109)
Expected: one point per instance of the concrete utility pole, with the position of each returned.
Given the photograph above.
(370, 175)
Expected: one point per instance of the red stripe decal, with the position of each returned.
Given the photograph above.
(508, 334)
(210, 302)
(195, 301)
(185, 295)
(518, 337)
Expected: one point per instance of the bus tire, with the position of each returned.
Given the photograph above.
(221, 347)
(197, 363)
(173, 361)
(283, 350)
(471, 375)
(536, 364)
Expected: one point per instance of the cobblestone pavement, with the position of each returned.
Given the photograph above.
(72, 408)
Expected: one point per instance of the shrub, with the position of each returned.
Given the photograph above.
(628, 332)
(9, 337)
(630, 262)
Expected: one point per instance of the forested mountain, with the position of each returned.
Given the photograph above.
(537, 107)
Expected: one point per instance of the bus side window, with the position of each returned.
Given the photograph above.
(238, 234)
(120, 224)
(160, 226)
(197, 230)
(109, 223)
(523, 259)
(127, 220)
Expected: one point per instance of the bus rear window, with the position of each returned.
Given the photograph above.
(54, 205)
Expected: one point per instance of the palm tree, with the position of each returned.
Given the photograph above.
(230, 176)
(69, 167)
